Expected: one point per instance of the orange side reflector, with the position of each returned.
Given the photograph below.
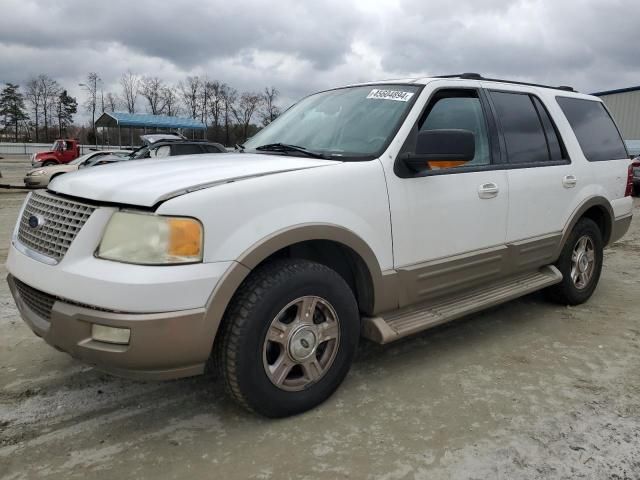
(438, 164)
(185, 237)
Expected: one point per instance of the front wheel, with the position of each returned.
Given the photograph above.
(49, 163)
(288, 337)
(580, 264)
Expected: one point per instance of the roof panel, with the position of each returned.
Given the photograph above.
(146, 120)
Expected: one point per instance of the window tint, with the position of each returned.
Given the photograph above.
(211, 149)
(594, 128)
(186, 149)
(464, 113)
(556, 151)
(523, 134)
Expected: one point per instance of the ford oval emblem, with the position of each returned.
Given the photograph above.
(36, 221)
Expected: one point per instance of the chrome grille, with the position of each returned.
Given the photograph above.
(39, 302)
(63, 219)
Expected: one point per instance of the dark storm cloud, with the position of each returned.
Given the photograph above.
(301, 46)
(186, 33)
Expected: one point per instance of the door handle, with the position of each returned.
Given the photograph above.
(569, 181)
(488, 190)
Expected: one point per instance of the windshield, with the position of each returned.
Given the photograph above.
(81, 159)
(347, 122)
(58, 145)
(141, 152)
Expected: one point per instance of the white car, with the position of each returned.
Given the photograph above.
(41, 176)
(377, 209)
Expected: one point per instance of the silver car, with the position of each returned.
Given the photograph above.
(41, 176)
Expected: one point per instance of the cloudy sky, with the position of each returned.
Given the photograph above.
(303, 46)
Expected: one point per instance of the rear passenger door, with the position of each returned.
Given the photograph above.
(543, 183)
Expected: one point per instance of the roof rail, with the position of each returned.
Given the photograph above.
(477, 76)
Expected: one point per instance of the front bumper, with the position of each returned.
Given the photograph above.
(36, 181)
(161, 346)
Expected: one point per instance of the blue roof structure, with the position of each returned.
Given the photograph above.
(145, 120)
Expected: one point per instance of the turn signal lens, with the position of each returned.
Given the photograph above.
(185, 237)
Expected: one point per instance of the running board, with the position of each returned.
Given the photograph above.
(407, 321)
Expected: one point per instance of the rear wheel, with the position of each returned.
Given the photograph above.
(580, 264)
(288, 337)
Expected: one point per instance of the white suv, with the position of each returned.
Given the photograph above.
(378, 209)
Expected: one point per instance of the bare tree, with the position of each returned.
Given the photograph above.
(111, 102)
(130, 84)
(189, 91)
(216, 103)
(151, 88)
(50, 90)
(34, 99)
(269, 111)
(91, 104)
(170, 100)
(229, 98)
(247, 105)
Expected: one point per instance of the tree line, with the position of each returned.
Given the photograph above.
(42, 110)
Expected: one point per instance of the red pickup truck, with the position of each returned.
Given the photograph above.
(62, 151)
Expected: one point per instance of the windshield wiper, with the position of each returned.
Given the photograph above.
(286, 147)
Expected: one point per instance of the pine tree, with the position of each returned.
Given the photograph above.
(66, 106)
(12, 109)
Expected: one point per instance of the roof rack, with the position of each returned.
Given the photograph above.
(477, 76)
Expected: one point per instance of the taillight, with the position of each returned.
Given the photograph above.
(629, 190)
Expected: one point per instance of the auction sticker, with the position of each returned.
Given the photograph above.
(396, 95)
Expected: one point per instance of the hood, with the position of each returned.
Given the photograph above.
(65, 167)
(43, 154)
(147, 182)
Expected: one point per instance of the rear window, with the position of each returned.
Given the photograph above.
(597, 134)
(186, 149)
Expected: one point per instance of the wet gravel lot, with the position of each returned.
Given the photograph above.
(525, 390)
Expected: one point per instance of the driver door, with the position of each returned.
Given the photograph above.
(449, 225)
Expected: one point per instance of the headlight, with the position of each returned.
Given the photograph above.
(36, 172)
(151, 239)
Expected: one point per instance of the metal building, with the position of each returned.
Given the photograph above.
(624, 104)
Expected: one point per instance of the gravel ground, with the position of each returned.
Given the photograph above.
(525, 390)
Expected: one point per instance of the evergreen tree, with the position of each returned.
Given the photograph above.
(12, 109)
(66, 107)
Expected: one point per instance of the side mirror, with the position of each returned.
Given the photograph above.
(437, 149)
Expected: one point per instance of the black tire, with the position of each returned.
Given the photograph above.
(262, 296)
(566, 292)
(48, 163)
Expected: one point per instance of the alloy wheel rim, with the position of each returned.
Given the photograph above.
(583, 261)
(301, 343)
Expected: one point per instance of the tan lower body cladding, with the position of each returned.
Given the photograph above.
(441, 278)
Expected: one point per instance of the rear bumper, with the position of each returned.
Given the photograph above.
(162, 346)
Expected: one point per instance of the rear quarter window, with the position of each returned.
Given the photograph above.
(594, 128)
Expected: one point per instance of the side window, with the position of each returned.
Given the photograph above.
(162, 151)
(556, 150)
(460, 110)
(211, 149)
(186, 149)
(597, 134)
(522, 128)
